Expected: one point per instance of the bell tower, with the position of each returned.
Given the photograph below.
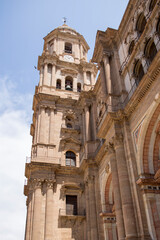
(55, 185)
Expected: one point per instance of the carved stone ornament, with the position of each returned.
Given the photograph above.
(118, 140)
(50, 183)
(35, 183)
(69, 113)
(107, 168)
(110, 148)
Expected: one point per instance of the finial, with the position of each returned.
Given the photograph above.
(64, 20)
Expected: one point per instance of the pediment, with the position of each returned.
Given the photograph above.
(70, 140)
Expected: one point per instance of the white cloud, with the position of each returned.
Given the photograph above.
(15, 144)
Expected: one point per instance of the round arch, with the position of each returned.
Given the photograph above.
(143, 164)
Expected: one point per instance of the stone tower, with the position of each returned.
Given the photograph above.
(56, 207)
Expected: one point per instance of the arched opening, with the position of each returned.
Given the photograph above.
(78, 87)
(141, 23)
(69, 84)
(70, 159)
(152, 5)
(131, 47)
(68, 48)
(58, 84)
(150, 50)
(69, 125)
(158, 27)
(138, 72)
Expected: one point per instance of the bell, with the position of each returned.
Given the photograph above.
(68, 87)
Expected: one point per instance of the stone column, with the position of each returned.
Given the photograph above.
(84, 77)
(45, 74)
(126, 197)
(93, 120)
(107, 73)
(49, 211)
(116, 191)
(103, 81)
(52, 127)
(87, 212)
(75, 84)
(92, 205)
(42, 126)
(53, 81)
(29, 216)
(84, 126)
(36, 232)
(41, 76)
(87, 122)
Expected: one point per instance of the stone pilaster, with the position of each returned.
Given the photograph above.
(84, 77)
(29, 216)
(52, 127)
(36, 233)
(49, 211)
(92, 79)
(75, 84)
(87, 211)
(92, 205)
(116, 191)
(42, 125)
(45, 74)
(126, 197)
(41, 76)
(53, 81)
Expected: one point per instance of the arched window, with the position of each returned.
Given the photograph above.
(152, 5)
(141, 23)
(58, 84)
(68, 48)
(150, 50)
(78, 87)
(69, 125)
(69, 84)
(70, 159)
(158, 27)
(131, 47)
(138, 72)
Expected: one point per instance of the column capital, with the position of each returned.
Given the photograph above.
(118, 140)
(35, 183)
(107, 54)
(50, 183)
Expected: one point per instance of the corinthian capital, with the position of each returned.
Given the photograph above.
(35, 183)
(50, 182)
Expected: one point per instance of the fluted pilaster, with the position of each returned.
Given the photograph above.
(126, 197)
(36, 230)
(49, 210)
(116, 191)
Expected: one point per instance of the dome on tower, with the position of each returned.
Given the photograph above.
(65, 28)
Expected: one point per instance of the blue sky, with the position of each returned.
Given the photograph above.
(23, 25)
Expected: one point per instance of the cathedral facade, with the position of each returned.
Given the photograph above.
(94, 171)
